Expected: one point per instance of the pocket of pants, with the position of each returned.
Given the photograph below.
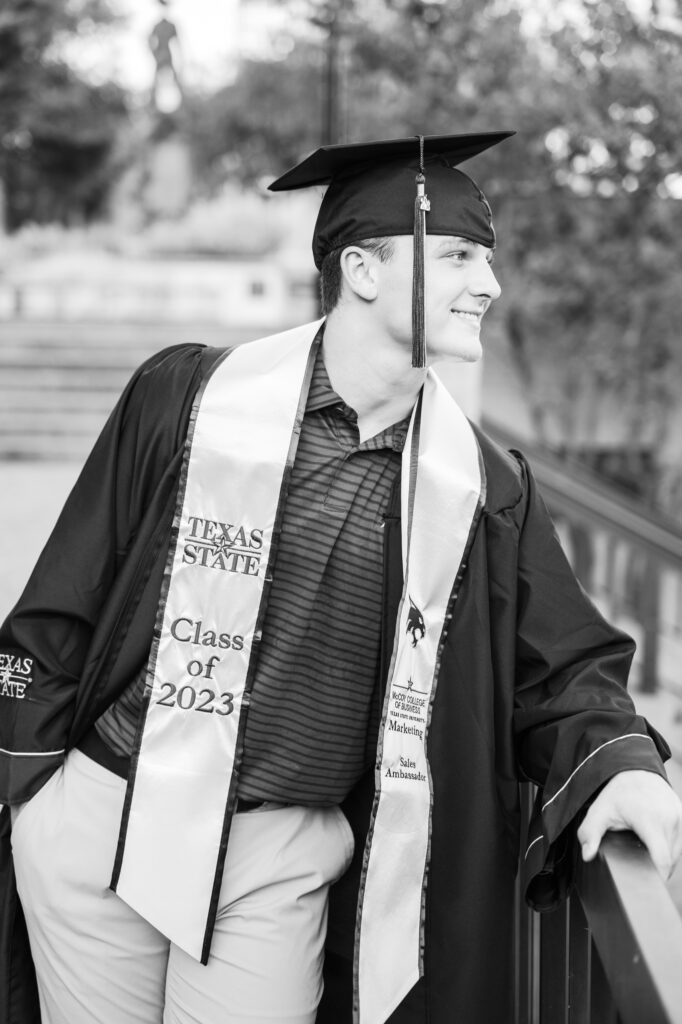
(18, 813)
(349, 840)
(15, 813)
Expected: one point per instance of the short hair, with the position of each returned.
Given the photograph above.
(331, 277)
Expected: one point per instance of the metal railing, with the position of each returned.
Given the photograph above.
(611, 954)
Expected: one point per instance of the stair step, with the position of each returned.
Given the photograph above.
(48, 447)
(65, 400)
(29, 422)
(68, 378)
(17, 357)
(128, 334)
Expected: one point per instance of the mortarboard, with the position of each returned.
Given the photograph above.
(378, 189)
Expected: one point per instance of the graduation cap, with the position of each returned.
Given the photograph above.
(379, 189)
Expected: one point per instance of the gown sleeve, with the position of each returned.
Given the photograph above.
(575, 724)
(45, 639)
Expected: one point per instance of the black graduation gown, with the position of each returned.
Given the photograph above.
(531, 686)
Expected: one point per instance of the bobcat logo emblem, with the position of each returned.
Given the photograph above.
(415, 624)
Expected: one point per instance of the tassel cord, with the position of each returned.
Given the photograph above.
(419, 234)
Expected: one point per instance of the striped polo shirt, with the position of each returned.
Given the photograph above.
(314, 711)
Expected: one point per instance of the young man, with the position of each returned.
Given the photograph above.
(296, 637)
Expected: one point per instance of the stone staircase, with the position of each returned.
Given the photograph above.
(60, 380)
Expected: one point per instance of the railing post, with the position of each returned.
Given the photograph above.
(554, 966)
(650, 615)
(602, 1007)
(579, 965)
(527, 936)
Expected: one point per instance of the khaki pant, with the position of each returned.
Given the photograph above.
(98, 962)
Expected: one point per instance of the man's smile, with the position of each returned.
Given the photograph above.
(468, 314)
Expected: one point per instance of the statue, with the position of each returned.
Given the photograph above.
(166, 89)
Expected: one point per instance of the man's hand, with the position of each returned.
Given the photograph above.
(641, 801)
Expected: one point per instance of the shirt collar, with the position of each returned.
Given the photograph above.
(322, 395)
(321, 392)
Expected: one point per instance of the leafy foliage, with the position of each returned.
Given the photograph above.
(56, 130)
(267, 119)
(594, 258)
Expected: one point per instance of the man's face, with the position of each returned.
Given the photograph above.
(459, 286)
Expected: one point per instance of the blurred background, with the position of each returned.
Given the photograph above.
(137, 138)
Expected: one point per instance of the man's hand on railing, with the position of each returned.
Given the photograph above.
(641, 801)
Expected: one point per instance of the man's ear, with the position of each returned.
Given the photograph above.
(359, 272)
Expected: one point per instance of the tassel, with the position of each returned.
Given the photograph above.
(421, 207)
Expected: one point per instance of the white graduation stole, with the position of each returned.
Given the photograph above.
(242, 436)
(440, 506)
(182, 787)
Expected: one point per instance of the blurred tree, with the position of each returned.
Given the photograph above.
(267, 118)
(594, 258)
(56, 130)
(398, 75)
